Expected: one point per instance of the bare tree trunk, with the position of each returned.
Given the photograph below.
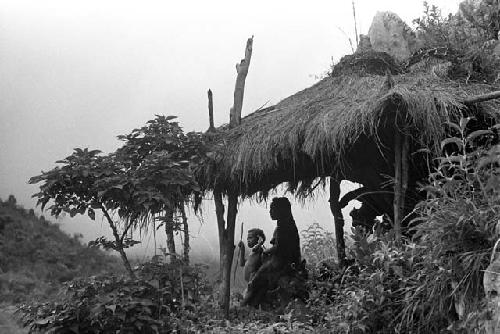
(169, 231)
(185, 228)
(336, 209)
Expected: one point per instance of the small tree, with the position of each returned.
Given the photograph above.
(132, 187)
(86, 182)
(162, 152)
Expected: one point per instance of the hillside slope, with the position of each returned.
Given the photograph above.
(36, 256)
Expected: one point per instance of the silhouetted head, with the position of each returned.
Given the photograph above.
(253, 236)
(280, 208)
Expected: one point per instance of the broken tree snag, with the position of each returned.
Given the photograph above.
(336, 209)
(210, 111)
(239, 89)
(397, 184)
(482, 98)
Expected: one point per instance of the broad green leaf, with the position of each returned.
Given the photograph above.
(478, 133)
(454, 126)
(464, 121)
(454, 140)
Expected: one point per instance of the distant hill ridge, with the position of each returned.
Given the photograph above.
(36, 256)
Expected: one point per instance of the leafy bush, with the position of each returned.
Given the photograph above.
(318, 245)
(466, 39)
(456, 230)
(161, 300)
(433, 282)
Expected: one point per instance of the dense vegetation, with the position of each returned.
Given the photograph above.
(428, 284)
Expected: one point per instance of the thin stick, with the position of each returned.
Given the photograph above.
(348, 38)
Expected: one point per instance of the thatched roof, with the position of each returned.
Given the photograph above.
(341, 125)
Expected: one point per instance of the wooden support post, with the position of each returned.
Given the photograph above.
(335, 208)
(405, 173)
(226, 244)
(210, 111)
(232, 210)
(397, 184)
(221, 225)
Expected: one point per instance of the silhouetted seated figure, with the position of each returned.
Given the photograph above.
(255, 241)
(282, 268)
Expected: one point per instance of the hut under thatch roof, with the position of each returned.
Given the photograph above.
(351, 126)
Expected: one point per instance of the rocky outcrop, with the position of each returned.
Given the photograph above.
(389, 33)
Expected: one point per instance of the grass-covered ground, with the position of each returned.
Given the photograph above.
(36, 256)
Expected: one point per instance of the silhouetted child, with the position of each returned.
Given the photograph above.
(255, 241)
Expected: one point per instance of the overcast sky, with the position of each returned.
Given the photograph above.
(79, 73)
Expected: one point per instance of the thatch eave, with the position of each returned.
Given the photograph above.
(317, 132)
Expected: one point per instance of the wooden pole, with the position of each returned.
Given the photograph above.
(482, 98)
(210, 111)
(405, 173)
(397, 184)
(221, 225)
(336, 210)
(232, 210)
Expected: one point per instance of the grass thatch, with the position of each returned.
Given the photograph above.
(313, 132)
